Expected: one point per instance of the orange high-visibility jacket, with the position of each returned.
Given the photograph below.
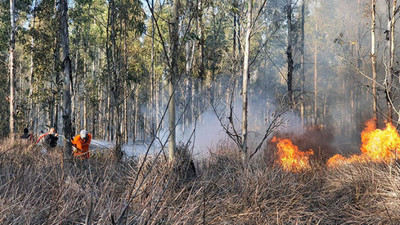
(82, 146)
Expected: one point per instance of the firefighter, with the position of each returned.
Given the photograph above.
(81, 145)
(50, 139)
(26, 135)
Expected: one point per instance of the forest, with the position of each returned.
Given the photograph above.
(199, 112)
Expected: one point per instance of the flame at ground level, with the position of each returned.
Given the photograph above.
(290, 157)
(377, 145)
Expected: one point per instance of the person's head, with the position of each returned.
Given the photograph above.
(26, 131)
(84, 135)
(52, 130)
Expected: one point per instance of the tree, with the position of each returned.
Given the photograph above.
(390, 38)
(11, 69)
(289, 53)
(246, 75)
(302, 64)
(66, 64)
(174, 39)
(316, 74)
(373, 60)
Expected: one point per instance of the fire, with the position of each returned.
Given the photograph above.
(337, 160)
(290, 157)
(377, 145)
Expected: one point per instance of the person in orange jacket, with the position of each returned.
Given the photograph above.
(81, 145)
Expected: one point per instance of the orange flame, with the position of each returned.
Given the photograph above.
(377, 145)
(290, 157)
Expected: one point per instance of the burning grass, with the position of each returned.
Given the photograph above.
(38, 188)
(378, 145)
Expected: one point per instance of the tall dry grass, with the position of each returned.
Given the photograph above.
(38, 188)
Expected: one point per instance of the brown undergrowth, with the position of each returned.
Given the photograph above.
(37, 188)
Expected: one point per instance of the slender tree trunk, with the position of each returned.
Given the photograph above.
(325, 109)
(157, 101)
(116, 83)
(136, 115)
(126, 112)
(56, 76)
(11, 69)
(108, 57)
(153, 77)
(125, 86)
(315, 75)
(373, 59)
(94, 111)
(289, 55)
(173, 74)
(201, 42)
(246, 76)
(391, 65)
(388, 77)
(357, 113)
(101, 113)
(57, 81)
(85, 104)
(108, 110)
(235, 5)
(303, 77)
(74, 98)
(31, 77)
(189, 62)
(67, 77)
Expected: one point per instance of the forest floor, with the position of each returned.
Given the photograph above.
(38, 188)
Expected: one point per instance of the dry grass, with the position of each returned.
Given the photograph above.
(38, 188)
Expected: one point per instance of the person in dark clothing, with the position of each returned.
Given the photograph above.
(50, 139)
(26, 135)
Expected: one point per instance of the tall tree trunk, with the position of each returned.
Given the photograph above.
(391, 65)
(67, 78)
(246, 76)
(94, 112)
(190, 48)
(57, 81)
(315, 75)
(31, 77)
(108, 57)
(235, 9)
(157, 111)
(388, 78)
(153, 77)
(55, 78)
(85, 102)
(116, 88)
(136, 132)
(201, 41)
(373, 59)
(11, 68)
(74, 97)
(125, 86)
(156, 103)
(303, 76)
(173, 74)
(101, 114)
(108, 110)
(289, 55)
(357, 90)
